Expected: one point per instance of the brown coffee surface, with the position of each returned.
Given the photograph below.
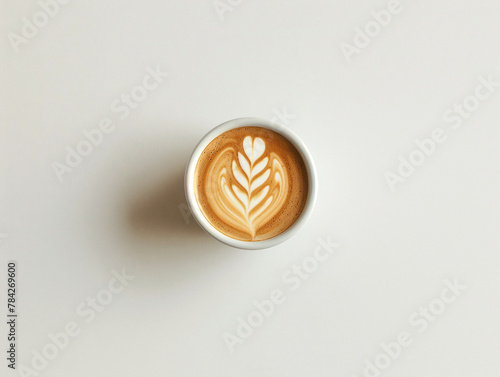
(251, 183)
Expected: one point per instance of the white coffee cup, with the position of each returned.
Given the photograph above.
(245, 122)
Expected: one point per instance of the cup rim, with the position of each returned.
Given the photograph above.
(249, 122)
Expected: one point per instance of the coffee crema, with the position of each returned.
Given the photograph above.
(251, 183)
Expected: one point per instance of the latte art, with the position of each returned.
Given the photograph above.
(261, 189)
(251, 183)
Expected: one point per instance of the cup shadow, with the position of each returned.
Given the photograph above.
(161, 211)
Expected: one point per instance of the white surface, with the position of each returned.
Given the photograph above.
(119, 208)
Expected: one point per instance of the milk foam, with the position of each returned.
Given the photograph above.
(259, 189)
(251, 183)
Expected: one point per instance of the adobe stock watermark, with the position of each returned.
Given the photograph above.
(292, 278)
(121, 107)
(86, 312)
(363, 37)
(279, 117)
(419, 321)
(454, 117)
(282, 117)
(223, 6)
(32, 25)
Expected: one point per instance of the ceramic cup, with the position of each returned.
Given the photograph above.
(246, 122)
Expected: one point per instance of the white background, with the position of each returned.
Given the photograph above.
(120, 207)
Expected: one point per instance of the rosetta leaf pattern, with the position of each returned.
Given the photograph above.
(257, 185)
